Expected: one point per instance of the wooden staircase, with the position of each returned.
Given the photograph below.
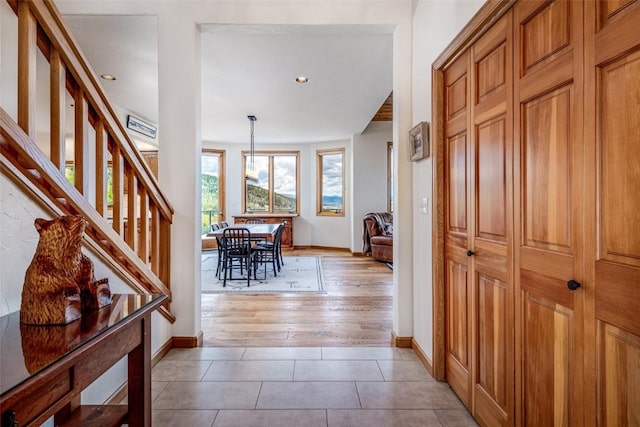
(129, 219)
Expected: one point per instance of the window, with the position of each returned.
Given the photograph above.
(70, 175)
(275, 188)
(330, 200)
(390, 177)
(212, 177)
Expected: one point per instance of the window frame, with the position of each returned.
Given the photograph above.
(390, 177)
(222, 185)
(319, 181)
(271, 154)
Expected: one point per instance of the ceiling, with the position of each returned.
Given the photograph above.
(250, 70)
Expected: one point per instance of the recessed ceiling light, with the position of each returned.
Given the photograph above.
(108, 76)
(301, 79)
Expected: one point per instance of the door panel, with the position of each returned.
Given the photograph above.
(457, 178)
(619, 374)
(547, 171)
(457, 97)
(548, 329)
(545, 31)
(491, 71)
(549, 212)
(458, 328)
(612, 69)
(611, 7)
(457, 278)
(491, 365)
(458, 322)
(491, 170)
(620, 151)
(491, 215)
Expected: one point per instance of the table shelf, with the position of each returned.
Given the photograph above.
(45, 367)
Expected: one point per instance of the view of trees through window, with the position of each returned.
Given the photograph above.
(69, 173)
(277, 183)
(210, 179)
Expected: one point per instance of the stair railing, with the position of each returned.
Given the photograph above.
(108, 183)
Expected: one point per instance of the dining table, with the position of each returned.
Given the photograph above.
(258, 231)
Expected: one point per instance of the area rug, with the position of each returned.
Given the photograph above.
(299, 274)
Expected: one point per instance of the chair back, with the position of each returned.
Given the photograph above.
(224, 224)
(214, 227)
(278, 237)
(236, 241)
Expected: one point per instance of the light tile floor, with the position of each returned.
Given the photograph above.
(295, 387)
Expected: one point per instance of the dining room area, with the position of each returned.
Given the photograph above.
(245, 252)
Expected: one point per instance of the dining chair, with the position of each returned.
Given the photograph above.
(268, 252)
(215, 227)
(220, 246)
(280, 230)
(283, 226)
(236, 242)
(224, 224)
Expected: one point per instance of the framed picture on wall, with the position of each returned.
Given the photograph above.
(419, 141)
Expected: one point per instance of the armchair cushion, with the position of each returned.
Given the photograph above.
(377, 236)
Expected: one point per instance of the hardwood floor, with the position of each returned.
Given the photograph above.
(356, 311)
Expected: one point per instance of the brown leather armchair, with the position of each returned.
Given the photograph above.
(377, 236)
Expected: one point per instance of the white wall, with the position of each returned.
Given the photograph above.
(435, 24)
(369, 176)
(179, 157)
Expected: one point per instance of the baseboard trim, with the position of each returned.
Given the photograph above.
(188, 342)
(402, 342)
(333, 248)
(162, 351)
(118, 396)
(424, 359)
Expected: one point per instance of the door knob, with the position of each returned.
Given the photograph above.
(573, 284)
(470, 253)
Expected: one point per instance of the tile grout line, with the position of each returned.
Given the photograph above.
(380, 369)
(206, 370)
(258, 397)
(216, 417)
(355, 383)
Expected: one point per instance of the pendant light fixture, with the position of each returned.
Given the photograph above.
(251, 173)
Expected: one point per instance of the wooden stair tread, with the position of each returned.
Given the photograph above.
(98, 416)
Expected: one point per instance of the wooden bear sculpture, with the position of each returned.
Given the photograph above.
(59, 284)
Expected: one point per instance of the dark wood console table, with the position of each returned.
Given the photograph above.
(287, 235)
(44, 368)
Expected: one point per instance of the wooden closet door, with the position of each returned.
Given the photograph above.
(549, 212)
(457, 229)
(491, 171)
(479, 223)
(613, 131)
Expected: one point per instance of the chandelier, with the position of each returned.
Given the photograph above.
(251, 174)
